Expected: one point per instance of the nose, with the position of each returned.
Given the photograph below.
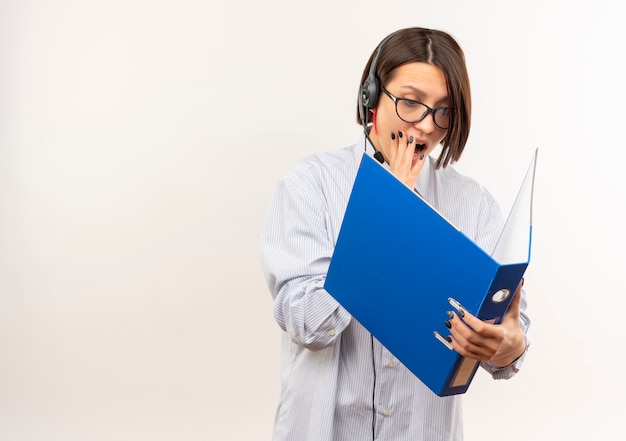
(427, 124)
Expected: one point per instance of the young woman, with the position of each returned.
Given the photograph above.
(338, 382)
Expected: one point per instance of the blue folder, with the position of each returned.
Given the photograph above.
(399, 281)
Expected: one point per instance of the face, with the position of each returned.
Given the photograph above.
(416, 81)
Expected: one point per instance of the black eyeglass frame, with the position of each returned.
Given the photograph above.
(429, 110)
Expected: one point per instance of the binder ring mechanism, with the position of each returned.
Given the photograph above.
(447, 341)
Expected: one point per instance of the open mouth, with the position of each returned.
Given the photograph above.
(419, 148)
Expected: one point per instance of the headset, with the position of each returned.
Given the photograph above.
(370, 89)
(369, 92)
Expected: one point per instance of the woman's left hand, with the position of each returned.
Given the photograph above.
(499, 344)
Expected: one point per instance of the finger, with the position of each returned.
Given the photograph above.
(400, 164)
(465, 347)
(515, 306)
(472, 328)
(403, 164)
(405, 146)
(469, 344)
(393, 149)
(470, 354)
(417, 168)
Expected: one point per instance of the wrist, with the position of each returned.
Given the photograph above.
(510, 360)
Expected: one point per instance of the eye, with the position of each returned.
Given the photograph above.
(411, 104)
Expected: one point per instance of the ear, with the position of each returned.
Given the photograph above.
(374, 121)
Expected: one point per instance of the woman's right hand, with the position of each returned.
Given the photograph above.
(406, 159)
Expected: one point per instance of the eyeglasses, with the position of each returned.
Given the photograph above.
(412, 111)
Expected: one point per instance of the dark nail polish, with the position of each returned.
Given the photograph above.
(461, 313)
(449, 339)
(450, 314)
(421, 156)
(393, 135)
(448, 324)
(400, 134)
(411, 142)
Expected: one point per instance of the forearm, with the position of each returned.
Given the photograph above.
(296, 250)
(308, 314)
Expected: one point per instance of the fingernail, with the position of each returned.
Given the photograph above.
(400, 134)
(393, 135)
(449, 339)
(421, 156)
(448, 324)
(450, 315)
(461, 312)
(411, 142)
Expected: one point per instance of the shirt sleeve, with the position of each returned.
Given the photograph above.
(296, 249)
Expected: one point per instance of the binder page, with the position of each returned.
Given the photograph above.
(514, 243)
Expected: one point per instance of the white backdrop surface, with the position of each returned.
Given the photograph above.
(140, 143)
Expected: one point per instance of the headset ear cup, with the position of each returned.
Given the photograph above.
(373, 93)
(369, 93)
(369, 90)
(368, 96)
(363, 101)
(364, 96)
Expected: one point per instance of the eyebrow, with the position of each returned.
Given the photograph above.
(421, 93)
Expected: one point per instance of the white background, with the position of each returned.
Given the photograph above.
(140, 143)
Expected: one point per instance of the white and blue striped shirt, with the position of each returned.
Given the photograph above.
(338, 383)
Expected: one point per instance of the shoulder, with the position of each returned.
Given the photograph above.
(470, 207)
(325, 167)
(463, 187)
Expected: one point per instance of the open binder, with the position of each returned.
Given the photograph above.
(374, 275)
